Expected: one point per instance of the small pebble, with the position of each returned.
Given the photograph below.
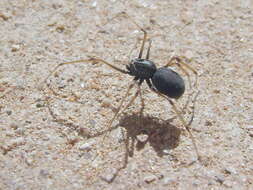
(2, 89)
(94, 4)
(208, 123)
(250, 133)
(87, 146)
(149, 178)
(20, 131)
(82, 85)
(44, 173)
(14, 126)
(60, 28)
(9, 112)
(119, 135)
(189, 54)
(39, 105)
(186, 17)
(110, 176)
(92, 122)
(166, 151)
(249, 127)
(230, 170)
(15, 47)
(4, 16)
(219, 179)
(142, 137)
(29, 161)
(13, 144)
(72, 140)
(106, 103)
(228, 183)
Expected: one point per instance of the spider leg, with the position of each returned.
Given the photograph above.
(180, 62)
(193, 108)
(121, 103)
(185, 125)
(91, 60)
(142, 101)
(139, 27)
(143, 42)
(135, 96)
(109, 128)
(148, 51)
(125, 159)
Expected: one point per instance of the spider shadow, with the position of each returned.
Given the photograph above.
(160, 134)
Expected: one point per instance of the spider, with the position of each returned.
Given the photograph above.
(163, 81)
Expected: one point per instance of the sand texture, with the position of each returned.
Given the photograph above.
(48, 129)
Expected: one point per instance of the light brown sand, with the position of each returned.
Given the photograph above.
(38, 153)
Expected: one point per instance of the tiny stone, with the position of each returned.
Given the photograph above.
(14, 126)
(86, 155)
(119, 136)
(186, 17)
(44, 173)
(20, 131)
(94, 4)
(219, 179)
(249, 127)
(4, 16)
(28, 122)
(166, 151)
(230, 170)
(9, 112)
(189, 54)
(83, 132)
(39, 105)
(106, 103)
(149, 178)
(227, 183)
(142, 137)
(208, 123)
(29, 161)
(60, 28)
(87, 146)
(72, 140)
(15, 47)
(92, 122)
(82, 85)
(216, 91)
(17, 141)
(167, 181)
(10, 133)
(109, 177)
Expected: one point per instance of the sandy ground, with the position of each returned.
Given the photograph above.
(43, 132)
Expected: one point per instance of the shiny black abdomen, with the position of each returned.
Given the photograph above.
(168, 82)
(142, 68)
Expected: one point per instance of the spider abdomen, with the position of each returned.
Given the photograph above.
(168, 82)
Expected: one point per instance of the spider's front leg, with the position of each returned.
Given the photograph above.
(90, 60)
